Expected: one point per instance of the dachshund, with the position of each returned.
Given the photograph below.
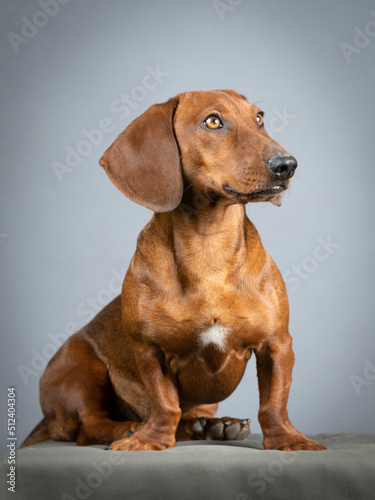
(201, 294)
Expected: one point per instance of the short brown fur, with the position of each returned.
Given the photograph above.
(200, 296)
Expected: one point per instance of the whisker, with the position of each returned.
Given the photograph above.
(205, 192)
(187, 187)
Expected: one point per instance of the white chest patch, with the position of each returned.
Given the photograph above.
(217, 335)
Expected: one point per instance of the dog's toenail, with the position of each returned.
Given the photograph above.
(245, 421)
(243, 433)
(216, 430)
(199, 425)
(130, 433)
(227, 422)
(232, 431)
(202, 421)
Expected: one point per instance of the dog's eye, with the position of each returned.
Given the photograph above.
(259, 118)
(213, 122)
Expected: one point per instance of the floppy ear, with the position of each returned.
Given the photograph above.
(144, 160)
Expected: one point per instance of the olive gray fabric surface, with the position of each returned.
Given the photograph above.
(196, 470)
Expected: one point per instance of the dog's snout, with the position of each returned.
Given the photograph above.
(283, 166)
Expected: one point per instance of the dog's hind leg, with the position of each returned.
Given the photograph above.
(75, 397)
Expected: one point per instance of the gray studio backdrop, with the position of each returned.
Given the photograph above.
(74, 74)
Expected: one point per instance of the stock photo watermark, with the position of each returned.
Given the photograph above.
(223, 8)
(264, 476)
(122, 107)
(101, 472)
(301, 272)
(365, 379)
(12, 439)
(87, 309)
(362, 39)
(83, 148)
(279, 121)
(92, 481)
(3, 236)
(31, 27)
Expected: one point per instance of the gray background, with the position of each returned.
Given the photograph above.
(62, 243)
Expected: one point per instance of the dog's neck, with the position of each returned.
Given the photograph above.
(211, 233)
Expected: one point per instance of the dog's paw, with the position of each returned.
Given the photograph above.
(292, 443)
(225, 429)
(308, 445)
(133, 443)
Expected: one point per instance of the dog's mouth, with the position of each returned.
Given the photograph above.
(271, 193)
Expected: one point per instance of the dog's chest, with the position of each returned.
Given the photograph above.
(210, 324)
(215, 336)
(209, 364)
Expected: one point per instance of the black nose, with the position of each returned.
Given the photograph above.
(283, 166)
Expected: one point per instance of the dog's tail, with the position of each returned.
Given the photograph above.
(37, 435)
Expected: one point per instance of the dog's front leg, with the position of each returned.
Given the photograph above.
(158, 433)
(275, 360)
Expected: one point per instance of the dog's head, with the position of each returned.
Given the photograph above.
(214, 141)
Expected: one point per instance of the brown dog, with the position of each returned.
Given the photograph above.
(201, 293)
